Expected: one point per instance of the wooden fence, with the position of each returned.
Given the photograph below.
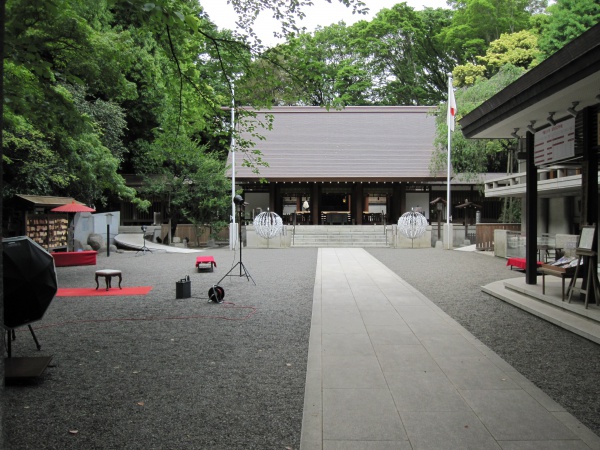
(484, 238)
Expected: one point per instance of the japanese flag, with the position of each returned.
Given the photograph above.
(451, 106)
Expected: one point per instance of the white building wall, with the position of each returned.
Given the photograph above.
(416, 200)
(560, 212)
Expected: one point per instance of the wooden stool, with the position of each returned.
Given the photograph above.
(108, 274)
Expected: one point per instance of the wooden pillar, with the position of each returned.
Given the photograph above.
(273, 191)
(357, 203)
(398, 202)
(589, 173)
(531, 211)
(314, 202)
(589, 190)
(277, 201)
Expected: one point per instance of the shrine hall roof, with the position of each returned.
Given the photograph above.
(360, 143)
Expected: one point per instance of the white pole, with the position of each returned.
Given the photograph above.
(448, 204)
(233, 228)
(448, 198)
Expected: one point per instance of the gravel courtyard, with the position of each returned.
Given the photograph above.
(156, 372)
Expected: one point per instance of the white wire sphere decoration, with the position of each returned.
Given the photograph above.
(268, 225)
(412, 224)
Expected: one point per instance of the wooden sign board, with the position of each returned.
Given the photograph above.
(586, 240)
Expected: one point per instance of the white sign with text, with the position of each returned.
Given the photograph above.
(555, 143)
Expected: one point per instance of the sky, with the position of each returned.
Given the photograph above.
(320, 14)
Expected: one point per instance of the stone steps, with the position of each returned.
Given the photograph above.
(339, 236)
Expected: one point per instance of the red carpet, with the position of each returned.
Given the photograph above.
(101, 292)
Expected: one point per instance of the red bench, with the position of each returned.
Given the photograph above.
(519, 263)
(62, 259)
(206, 260)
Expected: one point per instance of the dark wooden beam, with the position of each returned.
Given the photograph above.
(531, 212)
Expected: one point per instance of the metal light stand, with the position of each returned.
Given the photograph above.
(144, 249)
(243, 271)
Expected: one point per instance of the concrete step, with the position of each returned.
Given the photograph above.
(572, 317)
(339, 236)
(341, 245)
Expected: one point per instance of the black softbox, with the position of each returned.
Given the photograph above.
(29, 281)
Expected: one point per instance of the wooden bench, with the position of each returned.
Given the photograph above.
(554, 271)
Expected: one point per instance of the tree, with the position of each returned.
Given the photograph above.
(567, 20)
(191, 181)
(81, 73)
(407, 61)
(517, 49)
(476, 23)
(327, 66)
(393, 59)
(471, 157)
(3, 343)
(51, 146)
(287, 13)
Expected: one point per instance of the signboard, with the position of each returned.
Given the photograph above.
(555, 143)
(586, 239)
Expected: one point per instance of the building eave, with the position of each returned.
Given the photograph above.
(572, 74)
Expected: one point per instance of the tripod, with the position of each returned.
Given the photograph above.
(144, 248)
(243, 271)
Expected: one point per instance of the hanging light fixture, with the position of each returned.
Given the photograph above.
(571, 110)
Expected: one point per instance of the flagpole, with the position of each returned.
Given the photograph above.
(450, 123)
(233, 228)
(448, 194)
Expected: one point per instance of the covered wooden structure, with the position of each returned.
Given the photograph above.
(359, 165)
(554, 109)
(32, 216)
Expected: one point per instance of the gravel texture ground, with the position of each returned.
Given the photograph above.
(155, 372)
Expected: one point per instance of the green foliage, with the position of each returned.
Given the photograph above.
(471, 157)
(511, 210)
(468, 74)
(88, 82)
(476, 23)
(567, 20)
(394, 59)
(328, 66)
(518, 49)
(96, 89)
(407, 61)
(55, 129)
(189, 179)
